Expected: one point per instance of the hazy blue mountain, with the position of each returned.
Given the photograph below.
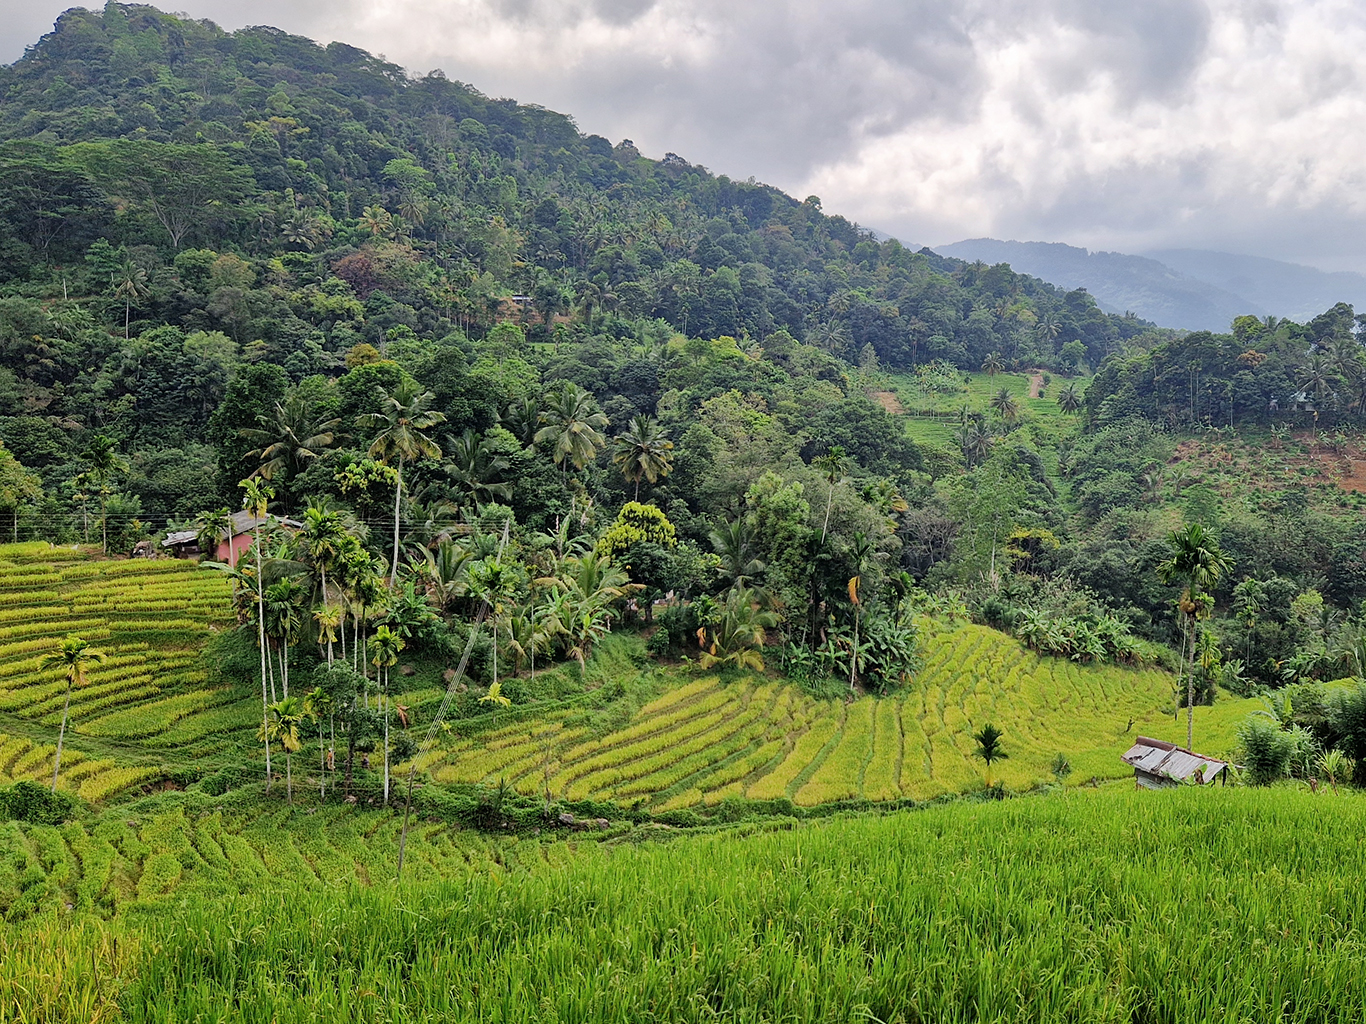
(1120, 283)
(1285, 289)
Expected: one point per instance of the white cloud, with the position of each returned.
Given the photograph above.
(1232, 124)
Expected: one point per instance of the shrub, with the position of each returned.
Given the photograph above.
(35, 804)
(1266, 751)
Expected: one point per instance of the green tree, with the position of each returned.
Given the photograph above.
(210, 528)
(255, 502)
(290, 439)
(643, 451)
(284, 718)
(833, 466)
(571, 424)
(736, 632)
(185, 188)
(1003, 402)
(320, 705)
(404, 418)
(73, 657)
(18, 487)
(387, 645)
(102, 456)
(477, 469)
(1197, 561)
(129, 283)
(1069, 399)
(993, 364)
(989, 747)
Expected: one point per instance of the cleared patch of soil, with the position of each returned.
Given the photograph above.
(888, 401)
(1035, 384)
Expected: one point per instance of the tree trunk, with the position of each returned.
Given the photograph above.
(261, 625)
(386, 736)
(61, 735)
(398, 498)
(1190, 694)
(289, 779)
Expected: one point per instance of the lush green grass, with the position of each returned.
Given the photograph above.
(1221, 905)
(940, 430)
(709, 739)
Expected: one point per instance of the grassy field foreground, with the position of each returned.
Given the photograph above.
(1207, 905)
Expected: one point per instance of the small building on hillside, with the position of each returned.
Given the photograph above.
(185, 543)
(1158, 764)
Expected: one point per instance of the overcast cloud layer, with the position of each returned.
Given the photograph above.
(1167, 123)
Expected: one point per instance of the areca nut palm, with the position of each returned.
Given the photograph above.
(989, 747)
(571, 425)
(832, 465)
(324, 535)
(1197, 561)
(210, 528)
(256, 502)
(387, 646)
(73, 657)
(643, 451)
(284, 718)
(404, 417)
(290, 438)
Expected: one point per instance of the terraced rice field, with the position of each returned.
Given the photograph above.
(706, 740)
(114, 859)
(150, 619)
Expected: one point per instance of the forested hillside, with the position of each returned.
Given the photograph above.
(495, 366)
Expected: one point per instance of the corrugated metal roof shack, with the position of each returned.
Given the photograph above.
(1158, 764)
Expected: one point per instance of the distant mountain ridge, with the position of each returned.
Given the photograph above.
(1193, 289)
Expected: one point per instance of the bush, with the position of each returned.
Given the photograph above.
(35, 804)
(218, 783)
(1266, 751)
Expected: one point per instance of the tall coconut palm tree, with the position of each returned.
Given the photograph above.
(736, 546)
(73, 657)
(129, 282)
(643, 451)
(256, 502)
(993, 364)
(1005, 405)
(1069, 399)
(404, 417)
(478, 471)
(571, 423)
(387, 646)
(1197, 561)
(102, 455)
(319, 705)
(290, 438)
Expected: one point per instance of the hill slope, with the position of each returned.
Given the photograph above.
(707, 740)
(1117, 281)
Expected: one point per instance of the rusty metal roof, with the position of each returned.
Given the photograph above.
(1158, 757)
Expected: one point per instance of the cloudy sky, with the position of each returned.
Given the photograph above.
(1223, 124)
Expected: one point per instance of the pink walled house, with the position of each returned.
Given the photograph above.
(231, 545)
